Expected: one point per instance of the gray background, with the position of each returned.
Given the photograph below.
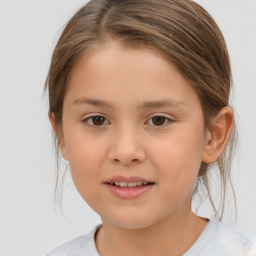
(29, 224)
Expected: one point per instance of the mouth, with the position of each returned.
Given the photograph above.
(128, 187)
(125, 185)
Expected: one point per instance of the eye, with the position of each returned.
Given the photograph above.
(99, 120)
(160, 120)
(96, 120)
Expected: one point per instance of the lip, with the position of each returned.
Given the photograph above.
(128, 193)
(127, 179)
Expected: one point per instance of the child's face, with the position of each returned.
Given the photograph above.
(122, 86)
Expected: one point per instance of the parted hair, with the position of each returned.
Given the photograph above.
(183, 31)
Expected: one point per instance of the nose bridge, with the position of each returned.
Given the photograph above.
(126, 144)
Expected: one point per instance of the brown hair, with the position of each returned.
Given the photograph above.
(180, 29)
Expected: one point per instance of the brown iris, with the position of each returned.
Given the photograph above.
(158, 120)
(98, 120)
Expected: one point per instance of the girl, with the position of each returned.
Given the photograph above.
(139, 103)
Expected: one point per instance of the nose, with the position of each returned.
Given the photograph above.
(127, 147)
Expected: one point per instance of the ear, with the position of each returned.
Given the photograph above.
(58, 135)
(217, 136)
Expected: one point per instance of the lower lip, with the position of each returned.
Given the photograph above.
(129, 193)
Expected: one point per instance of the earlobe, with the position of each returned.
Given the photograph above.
(217, 136)
(58, 135)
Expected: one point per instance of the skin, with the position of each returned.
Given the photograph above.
(130, 143)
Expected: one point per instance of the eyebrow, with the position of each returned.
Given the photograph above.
(144, 105)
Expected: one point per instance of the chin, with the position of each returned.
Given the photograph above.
(131, 220)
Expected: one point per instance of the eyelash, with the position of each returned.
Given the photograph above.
(86, 120)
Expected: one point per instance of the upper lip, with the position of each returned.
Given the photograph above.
(127, 179)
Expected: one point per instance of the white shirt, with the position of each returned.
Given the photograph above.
(217, 239)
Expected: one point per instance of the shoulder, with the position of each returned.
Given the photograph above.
(69, 248)
(78, 246)
(225, 240)
(229, 234)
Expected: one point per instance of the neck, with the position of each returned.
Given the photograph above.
(172, 236)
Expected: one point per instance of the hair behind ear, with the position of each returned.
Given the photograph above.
(221, 149)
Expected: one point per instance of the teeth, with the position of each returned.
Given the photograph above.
(132, 184)
(123, 184)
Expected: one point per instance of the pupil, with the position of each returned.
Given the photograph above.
(98, 120)
(158, 120)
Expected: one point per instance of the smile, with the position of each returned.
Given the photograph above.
(128, 187)
(123, 184)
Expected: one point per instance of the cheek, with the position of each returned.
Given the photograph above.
(83, 149)
(178, 157)
(85, 156)
(177, 162)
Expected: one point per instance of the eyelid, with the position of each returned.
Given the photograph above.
(88, 117)
(170, 119)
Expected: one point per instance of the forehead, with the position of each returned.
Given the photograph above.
(140, 73)
(101, 56)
